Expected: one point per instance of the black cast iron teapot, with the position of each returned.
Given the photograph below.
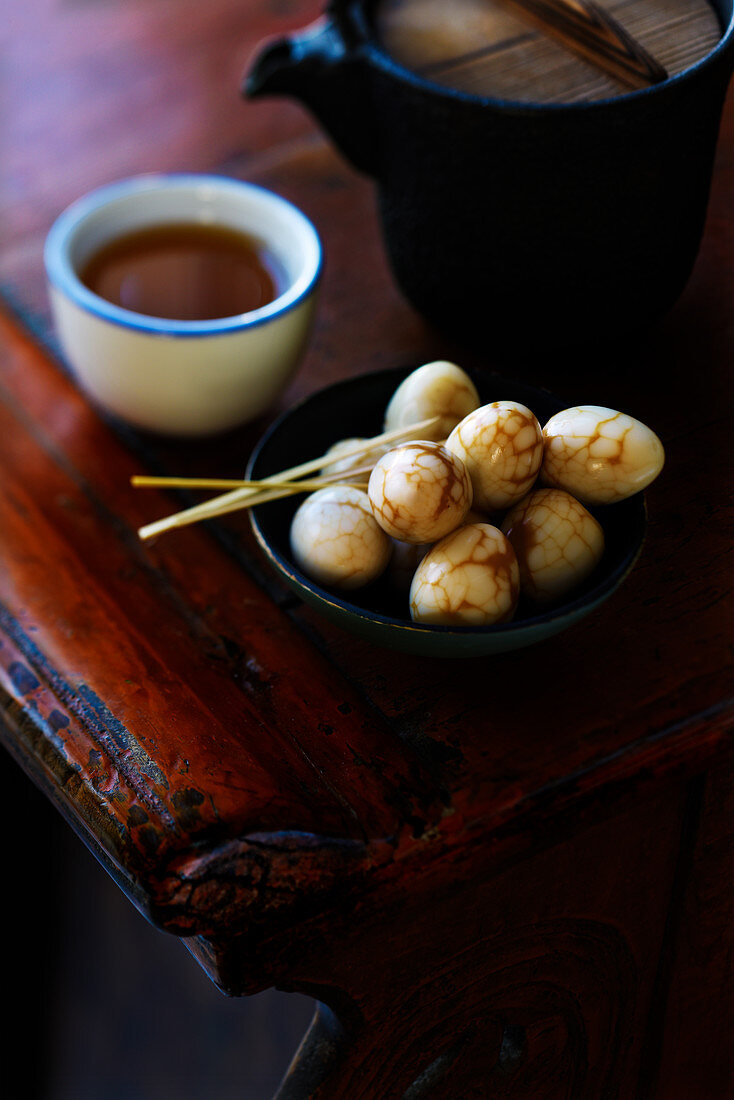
(512, 224)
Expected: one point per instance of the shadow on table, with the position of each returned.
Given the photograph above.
(112, 1006)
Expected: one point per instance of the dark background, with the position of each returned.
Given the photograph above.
(104, 1005)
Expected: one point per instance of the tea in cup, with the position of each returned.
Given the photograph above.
(183, 303)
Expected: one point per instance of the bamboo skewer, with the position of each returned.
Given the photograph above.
(243, 497)
(144, 482)
(276, 493)
(258, 492)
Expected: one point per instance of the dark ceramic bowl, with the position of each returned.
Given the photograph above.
(356, 407)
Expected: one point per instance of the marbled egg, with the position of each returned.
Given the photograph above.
(558, 543)
(407, 556)
(340, 465)
(335, 539)
(469, 578)
(501, 445)
(435, 389)
(599, 455)
(419, 491)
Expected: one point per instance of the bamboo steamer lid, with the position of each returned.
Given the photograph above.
(486, 48)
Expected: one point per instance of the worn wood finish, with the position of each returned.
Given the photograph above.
(500, 990)
(701, 958)
(493, 873)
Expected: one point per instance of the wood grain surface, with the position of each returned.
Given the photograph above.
(308, 810)
(489, 47)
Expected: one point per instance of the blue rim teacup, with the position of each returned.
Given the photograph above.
(184, 378)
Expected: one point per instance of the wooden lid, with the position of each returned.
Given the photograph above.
(488, 48)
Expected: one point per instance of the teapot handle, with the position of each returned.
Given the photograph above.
(323, 67)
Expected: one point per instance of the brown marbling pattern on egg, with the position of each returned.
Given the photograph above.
(469, 578)
(436, 389)
(501, 445)
(419, 492)
(558, 543)
(336, 541)
(599, 455)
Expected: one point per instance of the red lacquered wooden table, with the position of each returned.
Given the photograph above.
(505, 877)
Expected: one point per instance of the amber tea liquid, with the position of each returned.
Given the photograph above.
(184, 272)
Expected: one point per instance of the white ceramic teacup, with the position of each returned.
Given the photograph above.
(182, 377)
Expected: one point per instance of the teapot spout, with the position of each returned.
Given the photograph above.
(328, 76)
(274, 71)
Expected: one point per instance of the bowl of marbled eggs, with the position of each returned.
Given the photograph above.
(505, 518)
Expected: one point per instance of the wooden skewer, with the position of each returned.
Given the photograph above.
(295, 472)
(277, 492)
(239, 498)
(591, 31)
(145, 482)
